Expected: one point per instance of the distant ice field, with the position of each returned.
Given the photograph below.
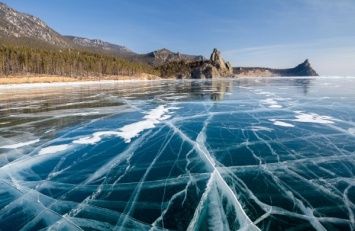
(221, 154)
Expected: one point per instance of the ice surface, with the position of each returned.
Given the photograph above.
(226, 154)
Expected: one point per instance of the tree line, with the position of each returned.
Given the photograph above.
(16, 60)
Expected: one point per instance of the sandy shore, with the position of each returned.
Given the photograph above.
(45, 81)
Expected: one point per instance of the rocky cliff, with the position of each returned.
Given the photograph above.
(303, 69)
(215, 67)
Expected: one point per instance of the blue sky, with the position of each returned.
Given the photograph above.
(265, 33)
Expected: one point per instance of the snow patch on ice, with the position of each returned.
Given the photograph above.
(275, 106)
(53, 149)
(283, 124)
(176, 97)
(127, 132)
(18, 145)
(313, 118)
(86, 113)
(272, 103)
(264, 93)
(96, 137)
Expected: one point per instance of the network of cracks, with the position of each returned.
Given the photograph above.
(246, 154)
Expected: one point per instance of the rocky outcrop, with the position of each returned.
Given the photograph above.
(215, 67)
(217, 61)
(303, 69)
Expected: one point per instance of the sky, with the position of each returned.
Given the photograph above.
(260, 33)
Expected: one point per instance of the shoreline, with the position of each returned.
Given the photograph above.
(127, 80)
(48, 81)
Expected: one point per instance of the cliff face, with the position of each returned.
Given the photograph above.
(303, 69)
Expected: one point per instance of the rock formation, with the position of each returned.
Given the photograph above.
(217, 61)
(215, 67)
(303, 69)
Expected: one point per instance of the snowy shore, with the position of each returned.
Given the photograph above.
(58, 84)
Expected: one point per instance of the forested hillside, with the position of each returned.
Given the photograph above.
(16, 60)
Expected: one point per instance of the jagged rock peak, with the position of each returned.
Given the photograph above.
(217, 61)
(216, 67)
(306, 63)
(216, 58)
(305, 69)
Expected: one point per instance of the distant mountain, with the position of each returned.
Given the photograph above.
(160, 57)
(303, 69)
(24, 29)
(97, 45)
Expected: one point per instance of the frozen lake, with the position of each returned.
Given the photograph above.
(229, 154)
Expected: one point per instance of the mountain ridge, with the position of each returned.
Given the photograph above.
(97, 45)
(17, 28)
(24, 29)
